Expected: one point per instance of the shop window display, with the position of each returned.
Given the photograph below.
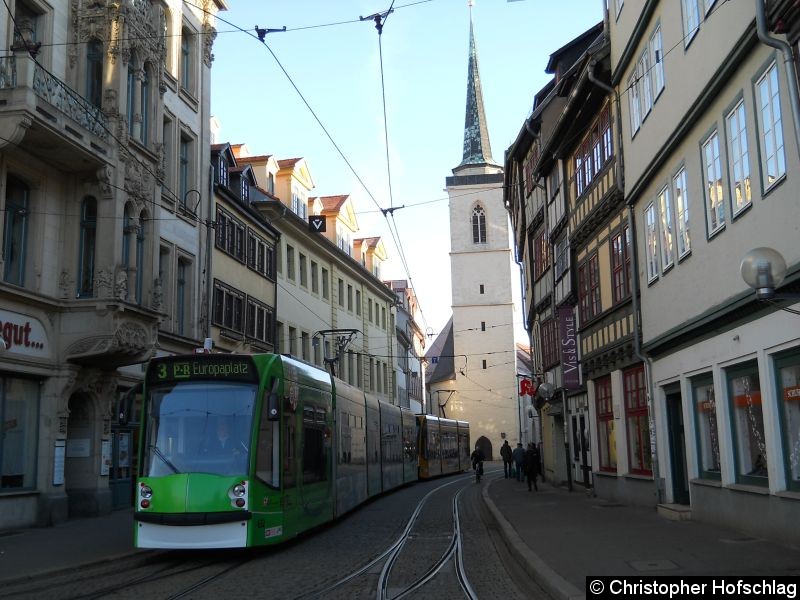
(788, 384)
(748, 425)
(707, 429)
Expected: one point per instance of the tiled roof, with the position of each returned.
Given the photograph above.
(333, 203)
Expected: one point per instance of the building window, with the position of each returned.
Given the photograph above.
(184, 169)
(140, 262)
(94, 72)
(293, 341)
(633, 102)
(305, 346)
(773, 161)
(550, 348)
(651, 242)
(750, 452)
(340, 289)
(665, 226)
(682, 213)
(314, 277)
(258, 320)
(715, 208)
(478, 225)
(705, 410)
(636, 419)
(260, 254)
(15, 231)
(541, 255)
(369, 312)
(483, 325)
(187, 59)
(358, 302)
(289, 262)
(657, 62)
(621, 264)
(19, 414)
(589, 288)
(130, 113)
(643, 81)
(88, 241)
(371, 375)
(787, 374)
(738, 157)
(144, 104)
(303, 270)
(182, 297)
(349, 297)
(691, 21)
(221, 172)
(562, 256)
(325, 285)
(481, 288)
(607, 443)
(594, 152)
(165, 279)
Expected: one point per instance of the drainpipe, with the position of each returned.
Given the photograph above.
(637, 333)
(788, 59)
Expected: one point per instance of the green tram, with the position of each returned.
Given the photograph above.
(249, 450)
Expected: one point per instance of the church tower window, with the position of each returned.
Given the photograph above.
(478, 225)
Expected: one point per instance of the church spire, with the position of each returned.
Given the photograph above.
(477, 150)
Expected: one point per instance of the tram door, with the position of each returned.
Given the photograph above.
(124, 442)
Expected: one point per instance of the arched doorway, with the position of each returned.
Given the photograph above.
(485, 445)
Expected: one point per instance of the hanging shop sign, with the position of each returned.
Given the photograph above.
(23, 335)
(569, 348)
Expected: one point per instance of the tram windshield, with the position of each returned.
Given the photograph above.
(198, 427)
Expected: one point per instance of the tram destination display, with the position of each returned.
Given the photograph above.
(202, 366)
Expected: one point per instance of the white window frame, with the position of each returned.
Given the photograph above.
(691, 21)
(634, 102)
(643, 81)
(666, 226)
(651, 242)
(682, 213)
(656, 48)
(712, 177)
(738, 158)
(771, 143)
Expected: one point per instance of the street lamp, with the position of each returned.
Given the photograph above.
(545, 390)
(764, 269)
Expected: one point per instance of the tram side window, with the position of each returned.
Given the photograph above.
(288, 451)
(346, 440)
(314, 455)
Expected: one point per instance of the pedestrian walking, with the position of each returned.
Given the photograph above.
(506, 453)
(532, 465)
(518, 455)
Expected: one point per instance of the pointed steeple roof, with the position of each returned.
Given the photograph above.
(477, 149)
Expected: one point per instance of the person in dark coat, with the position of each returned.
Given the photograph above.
(505, 452)
(531, 464)
(518, 455)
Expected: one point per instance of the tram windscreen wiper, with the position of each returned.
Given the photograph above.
(167, 461)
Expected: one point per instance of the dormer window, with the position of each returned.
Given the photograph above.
(271, 183)
(222, 170)
(245, 189)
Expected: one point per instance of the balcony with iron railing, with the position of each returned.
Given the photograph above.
(57, 124)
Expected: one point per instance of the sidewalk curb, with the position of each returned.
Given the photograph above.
(558, 587)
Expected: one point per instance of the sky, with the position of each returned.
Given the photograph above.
(334, 59)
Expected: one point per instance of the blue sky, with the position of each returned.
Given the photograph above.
(337, 69)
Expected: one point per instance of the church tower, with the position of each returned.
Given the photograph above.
(483, 373)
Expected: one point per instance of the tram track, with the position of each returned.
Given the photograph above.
(392, 555)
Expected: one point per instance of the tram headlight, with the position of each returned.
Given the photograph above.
(239, 490)
(145, 491)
